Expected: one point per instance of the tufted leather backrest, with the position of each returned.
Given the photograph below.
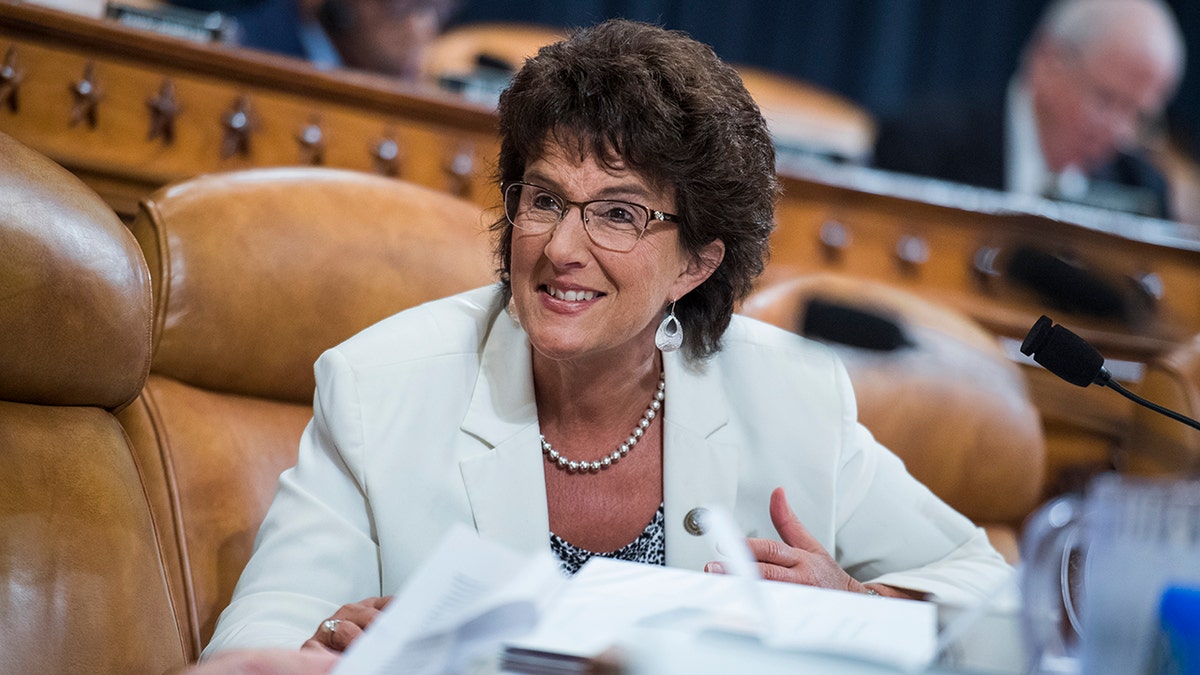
(82, 582)
(945, 398)
(255, 273)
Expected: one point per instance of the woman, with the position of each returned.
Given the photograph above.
(603, 391)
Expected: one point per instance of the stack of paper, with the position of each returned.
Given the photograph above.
(475, 606)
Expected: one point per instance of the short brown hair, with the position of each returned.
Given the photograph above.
(668, 108)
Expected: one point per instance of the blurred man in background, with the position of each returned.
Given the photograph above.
(1094, 78)
(382, 36)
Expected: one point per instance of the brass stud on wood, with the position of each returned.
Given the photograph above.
(11, 76)
(986, 264)
(459, 169)
(87, 96)
(835, 240)
(1149, 285)
(164, 108)
(386, 155)
(239, 123)
(311, 140)
(912, 251)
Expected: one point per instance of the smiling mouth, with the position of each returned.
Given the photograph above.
(570, 296)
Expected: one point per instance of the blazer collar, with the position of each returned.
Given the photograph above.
(695, 399)
(505, 484)
(699, 470)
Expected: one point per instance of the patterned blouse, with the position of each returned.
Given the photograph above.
(650, 548)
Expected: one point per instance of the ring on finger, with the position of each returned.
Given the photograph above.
(331, 625)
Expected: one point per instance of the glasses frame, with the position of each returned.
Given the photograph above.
(652, 214)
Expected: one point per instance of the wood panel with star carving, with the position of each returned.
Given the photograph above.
(129, 110)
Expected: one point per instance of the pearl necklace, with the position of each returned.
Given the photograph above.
(556, 458)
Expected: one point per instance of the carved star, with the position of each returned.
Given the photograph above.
(87, 97)
(164, 108)
(239, 122)
(312, 142)
(387, 156)
(11, 75)
(459, 169)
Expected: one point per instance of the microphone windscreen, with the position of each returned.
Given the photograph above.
(1068, 356)
(1037, 335)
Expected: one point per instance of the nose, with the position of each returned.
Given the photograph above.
(1120, 124)
(1126, 132)
(568, 241)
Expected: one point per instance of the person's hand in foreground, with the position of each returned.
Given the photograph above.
(267, 662)
(337, 632)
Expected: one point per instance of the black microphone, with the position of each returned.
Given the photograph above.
(1070, 357)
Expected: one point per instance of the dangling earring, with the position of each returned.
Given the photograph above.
(511, 310)
(669, 335)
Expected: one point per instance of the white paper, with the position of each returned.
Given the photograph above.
(473, 597)
(609, 600)
(468, 597)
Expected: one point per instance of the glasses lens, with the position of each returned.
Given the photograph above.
(616, 225)
(532, 208)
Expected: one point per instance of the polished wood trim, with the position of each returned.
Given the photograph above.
(235, 66)
(857, 221)
(223, 109)
(991, 203)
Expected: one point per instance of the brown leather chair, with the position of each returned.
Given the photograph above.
(809, 118)
(255, 274)
(932, 386)
(83, 587)
(458, 51)
(1157, 445)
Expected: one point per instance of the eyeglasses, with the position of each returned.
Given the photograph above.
(610, 224)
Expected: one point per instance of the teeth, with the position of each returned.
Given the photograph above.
(571, 296)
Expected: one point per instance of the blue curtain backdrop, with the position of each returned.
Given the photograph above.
(879, 53)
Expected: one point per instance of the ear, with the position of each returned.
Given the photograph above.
(700, 267)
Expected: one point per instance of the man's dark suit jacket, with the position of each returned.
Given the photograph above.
(962, 140)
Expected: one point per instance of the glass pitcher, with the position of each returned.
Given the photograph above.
(1095, 568)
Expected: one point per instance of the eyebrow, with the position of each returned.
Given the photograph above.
(620, 191)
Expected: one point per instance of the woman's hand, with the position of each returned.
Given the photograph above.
(799, 558)
(338, 631)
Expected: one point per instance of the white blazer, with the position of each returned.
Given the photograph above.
(428, 419)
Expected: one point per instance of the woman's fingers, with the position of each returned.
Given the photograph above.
(338, 631)
(791, 575)
(774, 552)
(341, 633)
(790, 529)
(799, 558)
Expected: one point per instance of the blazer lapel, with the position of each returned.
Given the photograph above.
(699, 471)
(505, 484)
